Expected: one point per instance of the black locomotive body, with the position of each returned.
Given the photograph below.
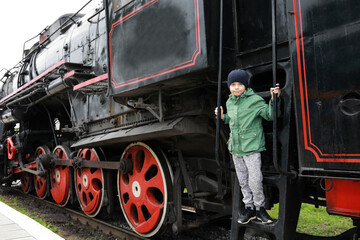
(120, 102)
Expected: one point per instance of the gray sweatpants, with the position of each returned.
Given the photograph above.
(248, 171)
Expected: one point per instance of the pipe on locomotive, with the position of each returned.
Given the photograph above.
(218, 119)
(58, 29)
(106, 6)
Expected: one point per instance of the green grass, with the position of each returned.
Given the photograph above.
(317, 222)
(14, 204)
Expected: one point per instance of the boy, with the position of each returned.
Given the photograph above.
(244, 112)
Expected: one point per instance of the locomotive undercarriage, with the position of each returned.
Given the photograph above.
(52, 167)
(66, 175)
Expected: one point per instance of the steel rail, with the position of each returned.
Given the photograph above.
(77, 216)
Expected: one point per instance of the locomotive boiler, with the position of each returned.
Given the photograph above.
(112, 110)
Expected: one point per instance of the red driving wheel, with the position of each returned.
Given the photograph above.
(25, 179)
(89, 184)
(144, 190)
(41, 182)
(60, 179)
(11, 148)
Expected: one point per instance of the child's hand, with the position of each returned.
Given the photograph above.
(275, 90)
(222, 112)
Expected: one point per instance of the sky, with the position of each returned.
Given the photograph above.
(21, 20)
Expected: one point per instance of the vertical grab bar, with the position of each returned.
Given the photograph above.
(218, 119)
(274, 66)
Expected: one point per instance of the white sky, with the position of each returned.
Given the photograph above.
(21, 20)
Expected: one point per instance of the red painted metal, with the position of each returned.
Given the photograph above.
(25, 179)
(40, 182)
(89, 184)
(43, 38)
(91, 81)
(338, 200)
(60, 179)
(11, 148)
(31, 165)
(16, 170)
(69, 74)
(140, 196)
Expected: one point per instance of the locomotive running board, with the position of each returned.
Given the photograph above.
(169, 128)
(19, 90)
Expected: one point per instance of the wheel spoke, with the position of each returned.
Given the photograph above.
(148, 225)
(125, 187)
(140, 214)
(156, 181)
(78, 175)
(131, 208)
(93, 156)
(151, 207)
(92, 204)
(83, 197)
(96, 175)
(148, 161)
(94, 189)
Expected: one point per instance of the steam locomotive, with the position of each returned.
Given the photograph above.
(114, 110)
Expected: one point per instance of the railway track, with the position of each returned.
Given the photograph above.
(97, 224)
(113, 227)
(106, 228)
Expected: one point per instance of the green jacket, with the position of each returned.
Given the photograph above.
(244, 115)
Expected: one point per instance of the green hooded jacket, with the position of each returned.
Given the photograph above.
(244, 116)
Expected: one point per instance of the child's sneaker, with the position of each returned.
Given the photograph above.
(263, 216)
(248, 215)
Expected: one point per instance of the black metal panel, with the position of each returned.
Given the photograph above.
(154, 40)
(324, 48)
(254, 24)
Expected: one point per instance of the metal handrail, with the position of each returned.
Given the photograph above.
(275, 110)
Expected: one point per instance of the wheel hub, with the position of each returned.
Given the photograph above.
(85, 181)
(57, 175)
(136, 189)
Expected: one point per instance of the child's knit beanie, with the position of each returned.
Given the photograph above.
(238, 75)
